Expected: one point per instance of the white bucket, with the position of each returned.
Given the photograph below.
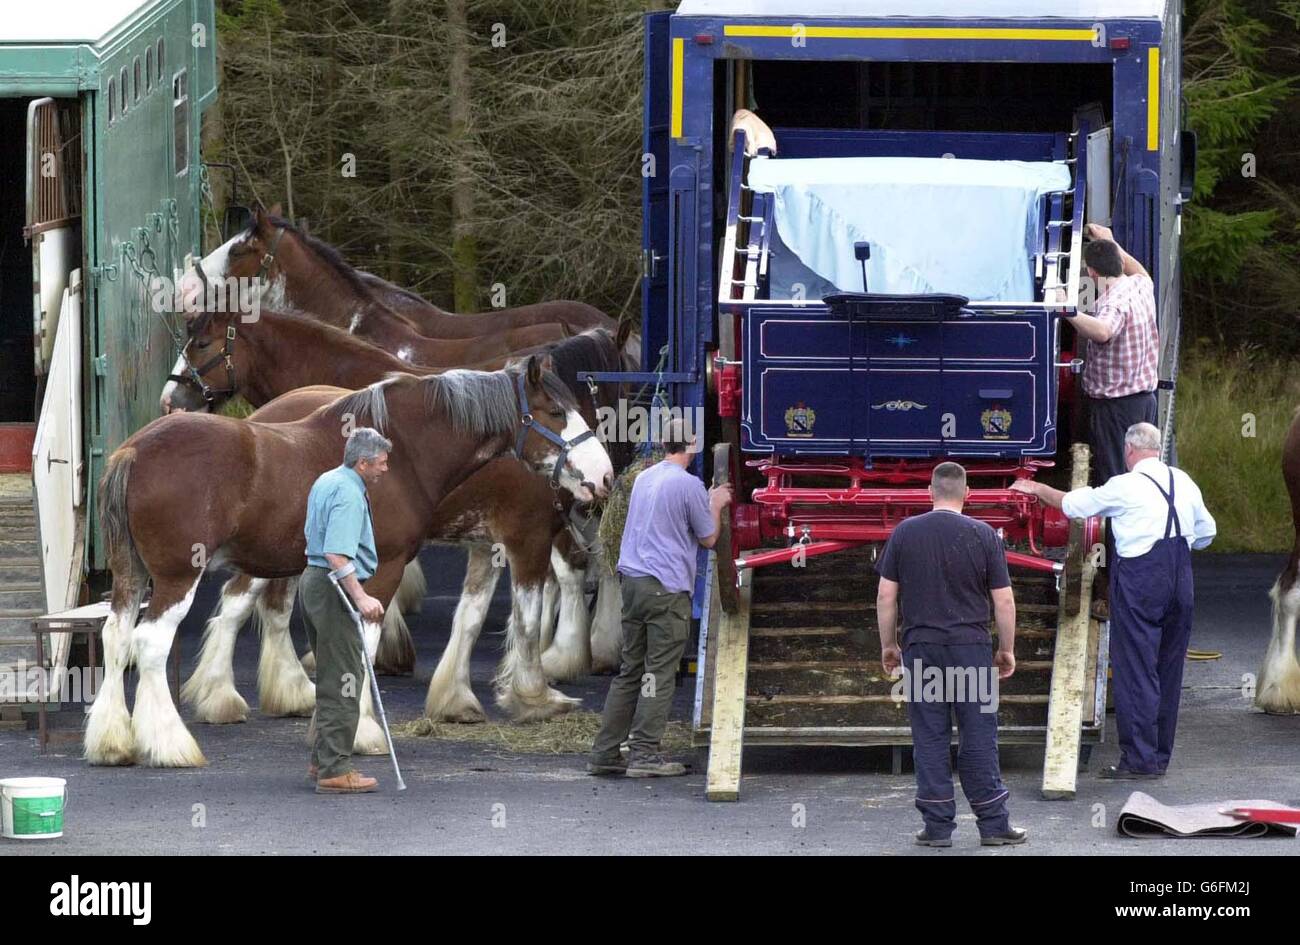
(32, 808)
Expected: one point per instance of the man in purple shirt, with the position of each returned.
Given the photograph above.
(669, 516)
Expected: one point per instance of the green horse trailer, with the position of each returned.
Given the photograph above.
(101, 181)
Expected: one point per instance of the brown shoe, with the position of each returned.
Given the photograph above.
(312, 771)
(354, 782)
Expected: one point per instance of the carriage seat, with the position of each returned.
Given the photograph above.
(935, 225)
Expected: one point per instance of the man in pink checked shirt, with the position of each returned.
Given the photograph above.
(1120, 357)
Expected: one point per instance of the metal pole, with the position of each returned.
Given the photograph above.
(370, 670)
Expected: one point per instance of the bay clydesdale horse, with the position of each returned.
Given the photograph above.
(241, 503)
(301, 273)
(1278, 688)
(228, 354)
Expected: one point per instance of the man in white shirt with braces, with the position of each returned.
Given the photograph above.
(1157, 517)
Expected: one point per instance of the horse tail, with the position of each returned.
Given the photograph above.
(114, 523)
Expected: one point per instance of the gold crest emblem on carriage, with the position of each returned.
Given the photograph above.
(799, 420)
(996, 422)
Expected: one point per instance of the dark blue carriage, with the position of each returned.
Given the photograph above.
(838, 402)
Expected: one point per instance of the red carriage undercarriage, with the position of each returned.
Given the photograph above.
(826, 506)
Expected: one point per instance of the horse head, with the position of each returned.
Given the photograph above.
(208, 371)
(245, 265)
(553, 438)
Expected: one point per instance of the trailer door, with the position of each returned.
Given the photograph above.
(53, 214)
(56, 458)
(654, 191)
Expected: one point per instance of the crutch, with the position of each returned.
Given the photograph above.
(370, 670)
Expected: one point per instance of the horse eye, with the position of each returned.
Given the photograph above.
(557, 414)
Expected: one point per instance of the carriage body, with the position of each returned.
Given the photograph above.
(838, 402)
(102, 104)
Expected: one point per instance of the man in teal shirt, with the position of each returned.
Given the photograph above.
(341, 540)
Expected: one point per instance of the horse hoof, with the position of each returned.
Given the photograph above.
(564, 667)
(295, 700)
(369, 739)
(108, 739)
(465, 716)
(449, 700)
(218, 708)
(1278, 708)
(555, 703)
(180, 753)
(110, 755)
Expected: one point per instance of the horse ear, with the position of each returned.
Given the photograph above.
(276, 210)
(534, 371)
(624, 332)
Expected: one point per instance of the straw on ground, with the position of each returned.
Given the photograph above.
(570, 734)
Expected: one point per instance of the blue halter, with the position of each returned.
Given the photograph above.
(528, 422)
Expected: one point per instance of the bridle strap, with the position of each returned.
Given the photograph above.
(193, 376)
(528, 422)
(268, 259)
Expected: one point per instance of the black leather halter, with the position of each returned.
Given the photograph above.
(193, 376)
(528, 422)
(268, 259)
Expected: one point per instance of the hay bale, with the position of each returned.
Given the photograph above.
(570, 734)
(613, 516)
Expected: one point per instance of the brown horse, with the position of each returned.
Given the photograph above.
(502, 515)
(499, 507)
(1278, 689)
(261, 358)
(370, 320)
(242, 503)
(300, 272)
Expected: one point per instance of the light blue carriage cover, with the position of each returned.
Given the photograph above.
(951, 225)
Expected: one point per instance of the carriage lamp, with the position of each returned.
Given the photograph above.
(862, 252)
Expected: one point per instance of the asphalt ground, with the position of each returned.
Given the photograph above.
(467, 798)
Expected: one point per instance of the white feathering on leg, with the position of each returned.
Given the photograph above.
(1278, 689)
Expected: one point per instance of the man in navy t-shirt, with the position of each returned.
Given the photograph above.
(943, 567)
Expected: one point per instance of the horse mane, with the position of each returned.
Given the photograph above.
(377, 284)
(590, 350)
(328, 254)
(477, 403)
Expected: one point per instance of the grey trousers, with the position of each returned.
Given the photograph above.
(340, 672)
(656, 624)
